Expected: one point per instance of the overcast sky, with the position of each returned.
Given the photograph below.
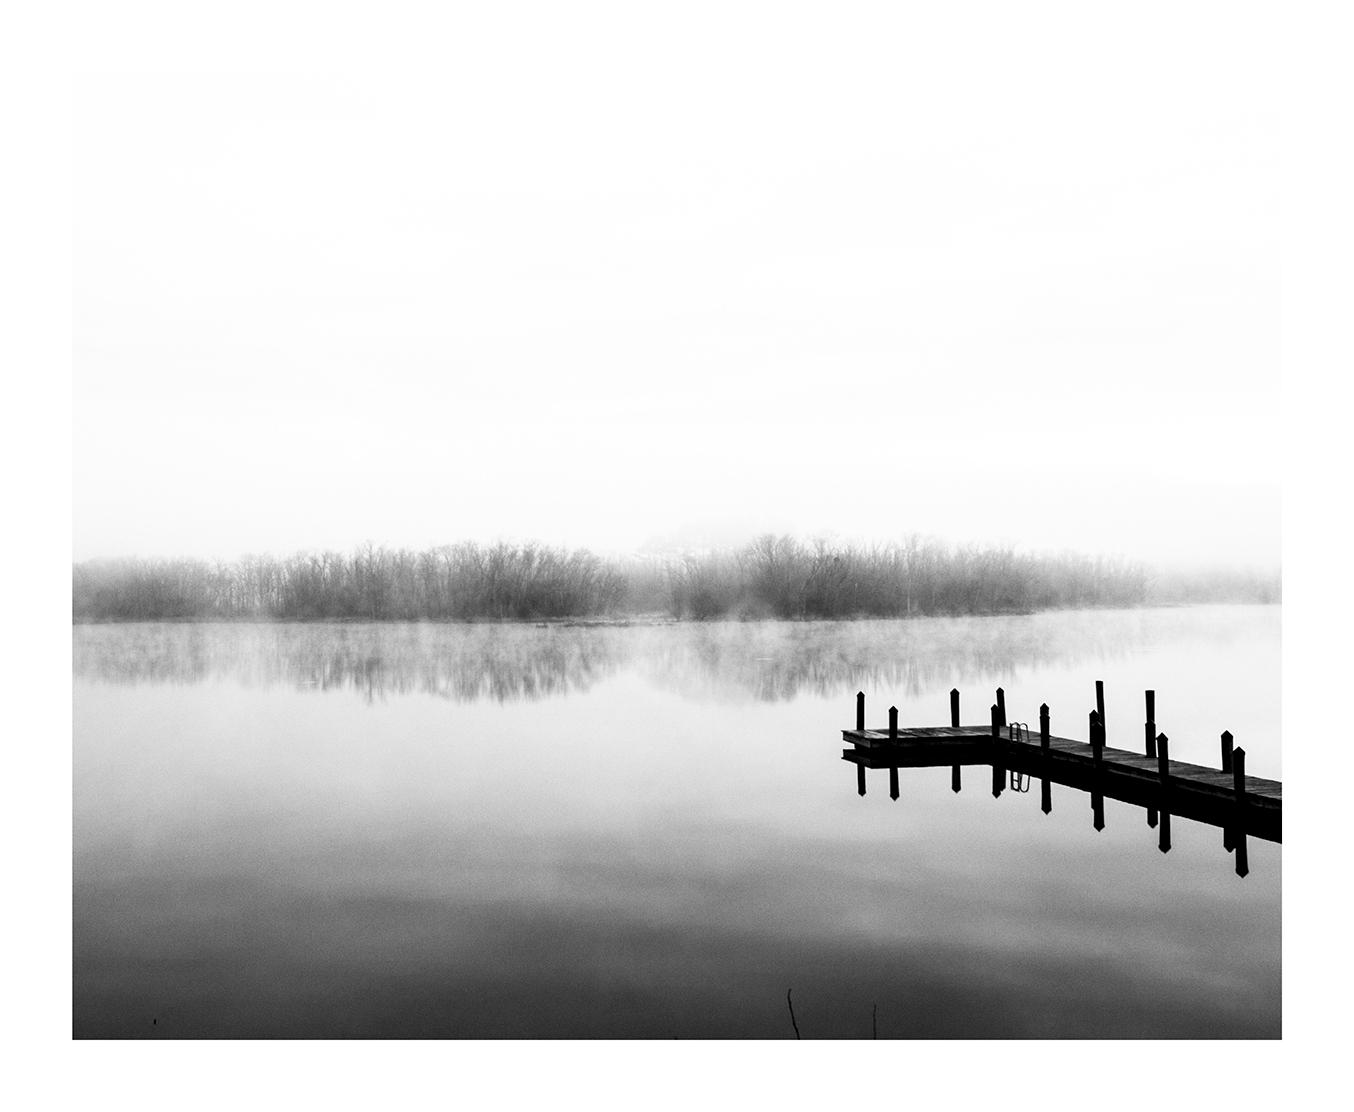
(604, 278)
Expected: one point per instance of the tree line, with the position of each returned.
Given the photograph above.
(781, 577)
(454, 582)
(772, 577)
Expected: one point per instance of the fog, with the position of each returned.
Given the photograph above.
(746, 275)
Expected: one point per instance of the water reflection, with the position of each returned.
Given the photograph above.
(1015, 770)
(761, 661)
(467, 663)
(649, 855)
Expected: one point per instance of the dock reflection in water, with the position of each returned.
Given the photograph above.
(1014, 770)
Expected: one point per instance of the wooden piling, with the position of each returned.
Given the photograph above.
(1164, 774)
(893, 784)
(998, 769)
(860, 779)
(893, 724)
(1045, 796)
(1096, 737)
(1243, 864)
(1150, 743)
(1100, 700)
(1098, 811)
(1234, 761)
(860, 710)
(954, 721)
(1001, 705)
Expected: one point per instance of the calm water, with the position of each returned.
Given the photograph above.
(482, 831)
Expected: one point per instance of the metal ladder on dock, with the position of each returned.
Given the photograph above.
(1019, 731)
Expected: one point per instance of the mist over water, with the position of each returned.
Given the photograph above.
(478, 830)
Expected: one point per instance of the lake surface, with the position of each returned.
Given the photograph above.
(511, 831)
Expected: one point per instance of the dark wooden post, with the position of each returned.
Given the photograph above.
(860, 778)
(860, 710)
(1096, 738)
(1100, 700)
(1164, 774)
(893, 784)
(1098, 810)
(893, 725)
(1045, 798)
(954, 721)
(1001, 705)
(1233, 833)
(998, 769)
(1243, 864)
(1150, 743)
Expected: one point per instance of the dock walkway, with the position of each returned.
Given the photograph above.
(1077, 753)
(1225, 797)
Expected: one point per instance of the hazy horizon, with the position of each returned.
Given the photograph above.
(861, 296)
(697, 541)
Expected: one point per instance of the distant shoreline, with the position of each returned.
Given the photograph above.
(653, 620)
(772, 577)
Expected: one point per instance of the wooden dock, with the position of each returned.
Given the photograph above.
(1225, 797)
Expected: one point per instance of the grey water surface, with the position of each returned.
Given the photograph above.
(423, 830)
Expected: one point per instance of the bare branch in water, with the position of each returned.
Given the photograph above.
(792, 1012)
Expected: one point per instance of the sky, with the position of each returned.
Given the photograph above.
(634, 280)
